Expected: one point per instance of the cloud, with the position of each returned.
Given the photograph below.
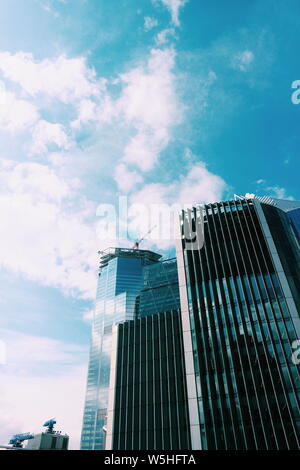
(149, 23)
(125, 178)
(61, 78)
(197, 186)
(16, 114)
(43, 378)
(86, 113)
(149, 97)
(35, 181)
(163, 36)
(174, 7)
(201, 186)
(26, 352)
(278, 193)
(150, 105)
(243, 60)
(46, 231)
(46, 133)
(146, 107)
(273, 191)
(144, 148)
(49, 9)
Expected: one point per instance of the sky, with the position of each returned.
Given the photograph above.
(152, 101)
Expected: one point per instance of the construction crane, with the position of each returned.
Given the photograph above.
(50, 425)
(137, 243)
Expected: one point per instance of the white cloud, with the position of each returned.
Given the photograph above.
(273, 191)
(35, 181)
(198, 186)
(147, 107)
(49, 9)
(149, 97)
(101, 111)
(60, 78)
(143, 149)
(86, 112)
(174, 7)
(16, 114)
(25, 351)
(163, 36)
(150, 23)
(201, 186)
(278, 193)
(150, 104)
(243, 60)
(46, 133)
(46, 233)
(125, 178)
(43, 378)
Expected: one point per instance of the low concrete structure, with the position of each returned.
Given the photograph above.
(49, 441)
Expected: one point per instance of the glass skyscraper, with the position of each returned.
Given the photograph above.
(240, 307)
(160, 292)
(120, 282)
(197, 353)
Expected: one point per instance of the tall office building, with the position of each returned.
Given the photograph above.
(290, 208)
(240, 304)
(160, 292)
(148, 396)
(120, 282)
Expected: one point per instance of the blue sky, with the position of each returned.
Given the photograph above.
(164, 101)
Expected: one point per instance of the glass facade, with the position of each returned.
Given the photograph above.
(160, 291)
(291, 208)
(120, 282)
(241, 323)
(294, 216)
(150, 402)
(283, 228)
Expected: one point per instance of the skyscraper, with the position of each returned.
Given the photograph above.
(159, 292)
(148, 397)
(290, 208)
(120, 282)
(240, 307)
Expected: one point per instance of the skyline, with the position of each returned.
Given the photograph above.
(100, 101)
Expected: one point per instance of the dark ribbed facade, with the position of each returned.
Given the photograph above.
(240, 318)
(148, 401)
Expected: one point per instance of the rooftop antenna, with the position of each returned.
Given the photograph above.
(50, 425)
(138, 242)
